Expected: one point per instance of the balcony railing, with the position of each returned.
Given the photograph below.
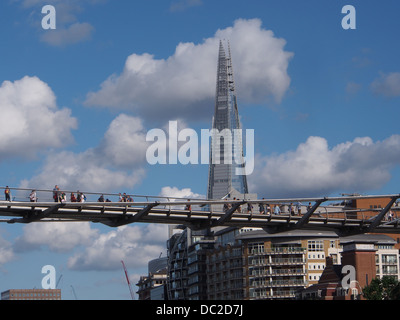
(277, 261)
(275, 295)
(277, 283)
(277, 272)
(269, 251)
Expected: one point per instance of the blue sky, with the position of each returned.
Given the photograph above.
(76, 104)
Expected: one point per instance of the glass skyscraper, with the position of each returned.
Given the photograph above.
(226, 148)
(187, 250)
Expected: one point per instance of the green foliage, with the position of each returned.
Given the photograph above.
(387, 288)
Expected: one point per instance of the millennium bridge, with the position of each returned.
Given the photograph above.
(321, 213)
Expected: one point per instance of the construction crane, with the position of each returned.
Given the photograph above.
(58, 281)
(73, 291)
(127, 279)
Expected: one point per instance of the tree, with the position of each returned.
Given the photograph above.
(387, 288)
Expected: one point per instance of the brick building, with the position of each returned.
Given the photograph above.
(31, 294)
(371, 256)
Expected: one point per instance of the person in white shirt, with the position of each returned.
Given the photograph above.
(32, 196)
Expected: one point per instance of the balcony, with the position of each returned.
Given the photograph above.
(277, 283)
(277, 261)
(276, 295)
(273, 251)
(277, 272)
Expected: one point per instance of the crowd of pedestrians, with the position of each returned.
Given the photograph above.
(266, 208)
(61, 196)
(124, 198)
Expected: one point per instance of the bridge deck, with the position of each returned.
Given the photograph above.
(116, 214)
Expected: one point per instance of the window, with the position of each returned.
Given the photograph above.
(257, 247)
(389, 269)
(389, 258)
(385, 246)
(315, 245)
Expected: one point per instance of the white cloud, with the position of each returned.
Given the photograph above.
(58, 237)
(6, 251)
(116, 163)
(75, 33)
(69, 30)
(91, 249)
(124, 144)
(133, 244)
(30, 118)
(83, 171)
(184, 84)
(174, 192)
(387, 85)
(314, 169)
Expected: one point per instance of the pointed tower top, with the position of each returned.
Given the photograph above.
(225, 68)
(222, 54)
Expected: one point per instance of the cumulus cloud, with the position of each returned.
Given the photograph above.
(183, 85)
(133, 244)
(124, 144)
(115, 163)
(69, 30)
(314, 169)
(136, 245)
(175, 192)
(91, 249)
(30, 119)
(6, 251)
(387, 85)
(57, 237)
(83, 171)
(75, 33)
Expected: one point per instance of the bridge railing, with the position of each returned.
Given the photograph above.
(47, 195)
(329, 211)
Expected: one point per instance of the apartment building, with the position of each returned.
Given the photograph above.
(225, 273)
(259, 265)
(276, 266)
(197, 268)
(152, 285)
(177, 267)
(186, 267)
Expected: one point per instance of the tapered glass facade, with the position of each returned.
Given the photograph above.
(226, 148)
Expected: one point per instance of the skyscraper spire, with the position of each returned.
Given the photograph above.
(222, 178)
